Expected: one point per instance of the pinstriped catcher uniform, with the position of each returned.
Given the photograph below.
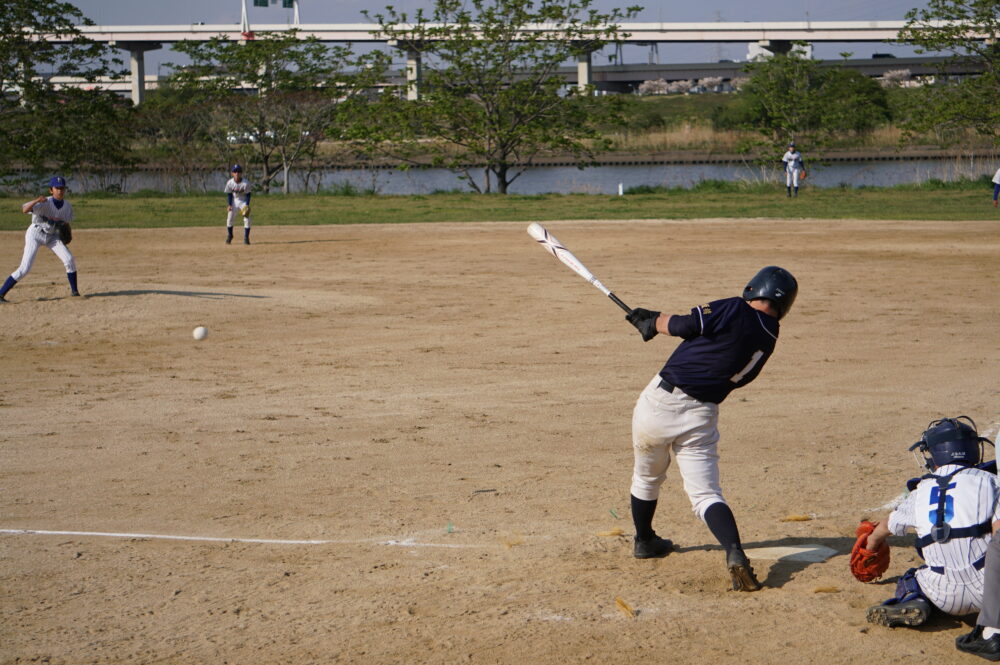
(952, 578)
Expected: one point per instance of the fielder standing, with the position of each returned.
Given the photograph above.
(996, 187)
(726, 343)
(795, 169)
(49, 216)
(238, 203)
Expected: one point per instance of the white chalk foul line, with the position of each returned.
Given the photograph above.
(409, 542)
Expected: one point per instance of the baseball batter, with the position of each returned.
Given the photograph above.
(48, 213)
(726, 344)
(795, 168)
(955, 509)
(238, 203)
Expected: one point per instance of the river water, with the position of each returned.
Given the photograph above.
(594, 180)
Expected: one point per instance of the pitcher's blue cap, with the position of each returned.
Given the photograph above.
(57, 181)
(236, 169)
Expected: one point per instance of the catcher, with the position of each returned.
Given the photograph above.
(955, 509)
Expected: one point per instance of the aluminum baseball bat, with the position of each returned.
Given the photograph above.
(552, 244)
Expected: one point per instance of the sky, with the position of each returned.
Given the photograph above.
(179, 12)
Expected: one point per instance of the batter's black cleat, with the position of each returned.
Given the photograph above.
(740, 571)
(652, 548)
(911, 613)
(977, 645)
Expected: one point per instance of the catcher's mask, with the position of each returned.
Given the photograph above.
(951, 441)
(775, 284)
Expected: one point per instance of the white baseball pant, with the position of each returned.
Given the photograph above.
(34, 238)
(236, 211)
(792, 177)
(956, 592)
(675, 423)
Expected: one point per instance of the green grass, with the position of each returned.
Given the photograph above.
(930, 201)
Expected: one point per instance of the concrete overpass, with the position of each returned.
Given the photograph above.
(776, 36)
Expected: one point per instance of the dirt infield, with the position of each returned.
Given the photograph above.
(447, 408)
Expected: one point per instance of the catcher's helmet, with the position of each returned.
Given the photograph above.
(951, 441)
(775, 284)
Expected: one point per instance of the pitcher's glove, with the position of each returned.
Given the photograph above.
(65, 232)
(866, 565)
(645, 322)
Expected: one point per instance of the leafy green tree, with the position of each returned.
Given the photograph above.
(491, 96)
(177, 133)
(42, 126)
(278, 94)
(789, 96)
(968, 30)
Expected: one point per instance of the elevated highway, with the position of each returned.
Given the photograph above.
(775, 36)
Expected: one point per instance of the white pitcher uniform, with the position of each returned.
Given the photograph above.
(43, 233)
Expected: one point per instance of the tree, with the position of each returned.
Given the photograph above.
(968, 29)
(492, 97)
(41, 126)
(788, 97)
(279, 93)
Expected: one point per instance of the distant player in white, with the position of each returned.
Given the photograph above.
(238, 197)
(996, 187)
(47, 213)
(794, 169)
(955, 511)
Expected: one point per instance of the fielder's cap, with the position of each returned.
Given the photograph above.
(791, 144)
(236, 169)
(57, 181)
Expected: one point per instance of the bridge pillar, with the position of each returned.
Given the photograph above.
(414, 67)
(137, 50)
(414, 75)
(584, 71)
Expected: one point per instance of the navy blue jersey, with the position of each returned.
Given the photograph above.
(726, 343)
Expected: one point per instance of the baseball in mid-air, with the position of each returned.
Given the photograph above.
(200, 333)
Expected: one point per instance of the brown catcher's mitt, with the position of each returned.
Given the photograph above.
(866, 565)
(65, 233)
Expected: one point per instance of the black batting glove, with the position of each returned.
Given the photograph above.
(644, 321)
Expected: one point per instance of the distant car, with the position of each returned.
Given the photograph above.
(882, 55)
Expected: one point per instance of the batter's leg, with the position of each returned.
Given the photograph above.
(651, 451)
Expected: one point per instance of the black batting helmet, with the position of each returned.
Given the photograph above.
(775, 284)
(951, 441)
